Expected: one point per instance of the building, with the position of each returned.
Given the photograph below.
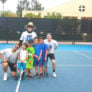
(78, 9)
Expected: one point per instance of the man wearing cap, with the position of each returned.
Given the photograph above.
(29, 34)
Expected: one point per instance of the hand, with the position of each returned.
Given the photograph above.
(30, 62)
(21, 61)
(45, 58)
(0, 56)
(4, 60)
(35, 56)
(39, 58)
(55, 48)
(15, 65)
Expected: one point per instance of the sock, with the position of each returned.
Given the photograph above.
(5, 73)
(53, 70)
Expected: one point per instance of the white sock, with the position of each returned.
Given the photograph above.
(5, 73)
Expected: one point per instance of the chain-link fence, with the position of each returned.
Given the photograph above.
(61, 29)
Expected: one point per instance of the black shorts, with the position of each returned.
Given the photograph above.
(51, 56)
(12, 68)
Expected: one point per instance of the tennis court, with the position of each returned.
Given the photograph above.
(74, 72)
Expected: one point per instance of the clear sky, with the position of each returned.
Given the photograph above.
(12, 4)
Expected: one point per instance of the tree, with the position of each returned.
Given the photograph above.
(3, 2)
(26, 5)
(36, 5)
(53, 15)
(31, 15)
(22, 5)
(8, 14)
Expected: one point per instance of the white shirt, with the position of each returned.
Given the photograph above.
(23, 54)
(6, 53)
(51, 45)
(25, 37)
(9, 55)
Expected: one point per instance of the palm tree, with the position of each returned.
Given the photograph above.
(3, 1)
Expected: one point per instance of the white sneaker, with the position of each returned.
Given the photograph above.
(5, 77)
(54, 74)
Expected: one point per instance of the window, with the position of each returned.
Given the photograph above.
(82, 8)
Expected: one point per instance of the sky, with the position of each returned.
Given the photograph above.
(12, 4)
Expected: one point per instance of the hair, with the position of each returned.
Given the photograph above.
(36, 38)
(25, 44)
(30, 42)
(49, 34)
(40, 38)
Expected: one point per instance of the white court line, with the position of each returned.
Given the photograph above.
(82, 54)
(19, 81)
(62, 51)
(71, 65)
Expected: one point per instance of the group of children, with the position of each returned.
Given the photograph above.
(33, 55)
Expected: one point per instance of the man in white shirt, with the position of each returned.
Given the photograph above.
(29, 34)
(9, 57)
(52, 45)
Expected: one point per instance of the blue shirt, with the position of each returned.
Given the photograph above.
(44, 48)
(37, 48)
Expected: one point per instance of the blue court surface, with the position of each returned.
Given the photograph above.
(74, 72)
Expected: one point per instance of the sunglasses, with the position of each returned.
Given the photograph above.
(30, 26)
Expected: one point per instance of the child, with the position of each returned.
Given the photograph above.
(44, 56)
(22, 59)
(38, 58)
(30, 59)
(52, 45)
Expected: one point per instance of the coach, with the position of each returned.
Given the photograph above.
(9, 57)
(29, 34)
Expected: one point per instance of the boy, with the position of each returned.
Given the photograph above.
(38, 58)
(30, 59)
(44, 56)
(52, 45)
(22, 59)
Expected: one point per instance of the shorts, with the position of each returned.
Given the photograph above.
(29, 65)
(21, 65)
(37, 63)
(12, 68)
(43, 61)
(51, 56)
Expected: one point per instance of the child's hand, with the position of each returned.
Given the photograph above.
(45, 58)
(39, 58)
(4, 60)
(35, 56)
(21, 61)
(55, 48)
(15, 65)
(30, 62)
